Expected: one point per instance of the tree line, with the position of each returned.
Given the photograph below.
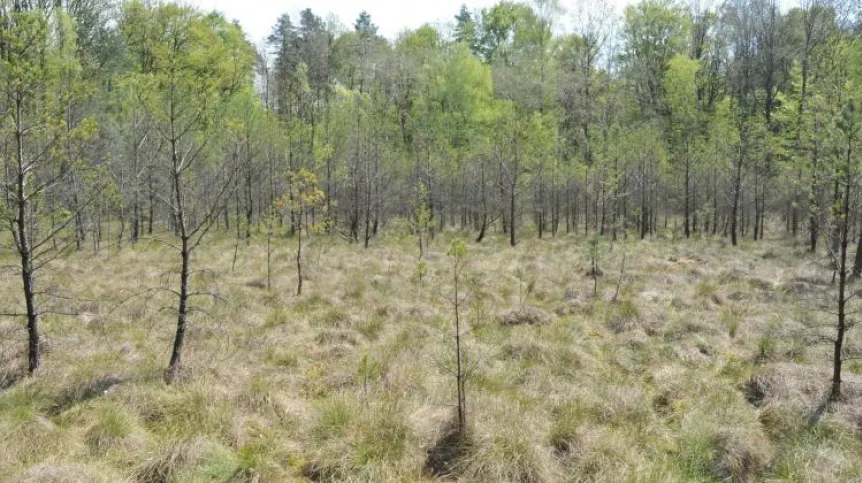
(124, 121)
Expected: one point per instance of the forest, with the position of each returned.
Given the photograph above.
(538, 242)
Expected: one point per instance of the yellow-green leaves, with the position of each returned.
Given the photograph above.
(303, 193)
(421, 212)
(188, 66)
(680, 85)
(457, 249)
(303, 185)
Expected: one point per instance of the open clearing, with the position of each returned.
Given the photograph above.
(704, 369)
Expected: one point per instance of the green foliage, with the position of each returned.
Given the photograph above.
(304, 192)
(188, 64)
(457, 250)
(654, 32)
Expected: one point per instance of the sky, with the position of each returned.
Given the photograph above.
(391, 16)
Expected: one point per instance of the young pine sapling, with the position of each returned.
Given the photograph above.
(457, 253)
(421, 219)
(593, 252)
(622, 267)
(304, 196)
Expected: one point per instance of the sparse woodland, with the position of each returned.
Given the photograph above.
(540, 243)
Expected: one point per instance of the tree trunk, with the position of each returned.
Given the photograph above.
(512, 194)
(22, 238)
(185, 259)
(152, 203)
(136, 204)
(737, 192)
(644, 210)
(299, 258)
(857, 263)
(813, 204)
(687, 200)
(182, 313)
(837, 356)
(484, 216)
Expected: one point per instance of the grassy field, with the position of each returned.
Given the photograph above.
(705, 368)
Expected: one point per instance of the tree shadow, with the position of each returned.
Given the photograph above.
(442, 459)
(79, 394)
(818, 411)
(11, 377)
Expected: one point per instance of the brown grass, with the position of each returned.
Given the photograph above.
(703, 369)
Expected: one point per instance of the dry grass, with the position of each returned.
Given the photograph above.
(700, 370)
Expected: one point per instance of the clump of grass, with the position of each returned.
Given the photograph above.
(706, 290)
(507, 454)
(598, 453)
(719, 432)
(682, 326)
(334, 318)
(195, 459)
(444, 455)
(527, 354)
(823, 452)
(369, 370)
(263, 457)
(526, 316)
(760, 284)
(730, 319)
(677, 303)
(370, 327)
(727, 454)
(625, 407)
(318, 382)
(853, 366)
(729, 276)
(382, 438)
(740, 456)
(785, 395)
(276, 317)
(281, 357)
(334, 418)
(258, 395)
(623, 316)
(356, 290)
(64, 472)
(766, 348)
(355, 441)
(27, 437)
(336, 337)
(193, 410)
(116, 429)
(310, 302)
